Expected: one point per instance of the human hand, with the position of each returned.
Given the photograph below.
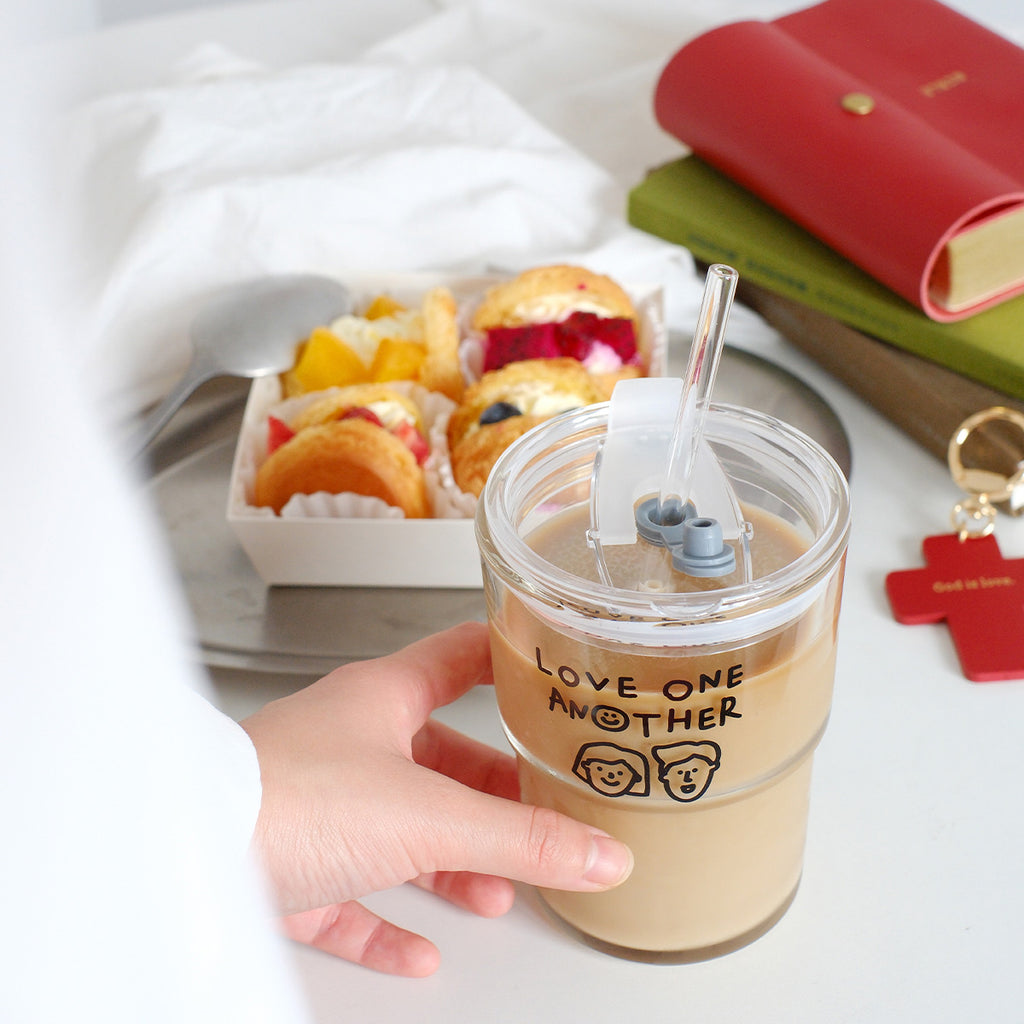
(362, 791)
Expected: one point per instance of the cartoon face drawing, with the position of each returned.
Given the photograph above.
(610, 777)
(612, 770)
(608, 718)
(686, 768)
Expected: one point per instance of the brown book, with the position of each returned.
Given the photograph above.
(928, 402)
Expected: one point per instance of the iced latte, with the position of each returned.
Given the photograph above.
(684, 722)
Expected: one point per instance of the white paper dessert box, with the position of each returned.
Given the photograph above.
(319, 548)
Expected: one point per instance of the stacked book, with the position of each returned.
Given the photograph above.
(862, 166)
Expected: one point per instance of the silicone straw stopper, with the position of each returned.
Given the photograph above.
(697, 543)
(654, 531)
(703, 551)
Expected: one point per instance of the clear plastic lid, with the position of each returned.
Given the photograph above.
(770, 467)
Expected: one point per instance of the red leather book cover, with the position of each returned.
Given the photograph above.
(885, 129)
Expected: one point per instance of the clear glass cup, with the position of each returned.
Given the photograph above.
(683, 723)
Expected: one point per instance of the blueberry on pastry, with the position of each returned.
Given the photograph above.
(507, 402)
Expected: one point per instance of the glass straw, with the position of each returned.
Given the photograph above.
(705, 356)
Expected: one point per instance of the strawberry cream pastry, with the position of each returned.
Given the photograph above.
(560, 311)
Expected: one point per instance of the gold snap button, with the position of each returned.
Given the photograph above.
(858, 103)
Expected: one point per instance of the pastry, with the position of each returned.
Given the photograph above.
(560, 311)
(389, 405)
(363, 439)
(505, 403)
(440, 370)
(550, 294)
(475, 456)
(387, 342)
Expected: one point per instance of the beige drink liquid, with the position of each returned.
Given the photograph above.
(681, 722)
(697, 758)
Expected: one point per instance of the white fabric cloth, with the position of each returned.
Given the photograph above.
(406, 159)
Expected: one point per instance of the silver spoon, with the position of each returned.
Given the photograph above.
(249, 330)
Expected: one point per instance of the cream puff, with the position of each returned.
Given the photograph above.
(505, 403)
(560, 311)
(363, 439)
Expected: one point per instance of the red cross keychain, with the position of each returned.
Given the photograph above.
(966, 581)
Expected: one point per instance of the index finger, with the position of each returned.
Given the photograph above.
(439, 669)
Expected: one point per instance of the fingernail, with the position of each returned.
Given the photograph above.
(610, 862)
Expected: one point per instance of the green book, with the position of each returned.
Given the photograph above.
(691, 204)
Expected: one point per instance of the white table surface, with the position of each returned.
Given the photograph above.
(912, 905)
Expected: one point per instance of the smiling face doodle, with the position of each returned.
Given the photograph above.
(610, 777)
(610, 719)
(686, 768)
(612, 770)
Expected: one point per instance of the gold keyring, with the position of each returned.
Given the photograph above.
(996, 487)
(974, 517)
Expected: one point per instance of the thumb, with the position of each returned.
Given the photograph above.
(530, 844)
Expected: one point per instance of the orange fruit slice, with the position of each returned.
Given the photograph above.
(325, 361)
(382, 306)
(397, 359)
